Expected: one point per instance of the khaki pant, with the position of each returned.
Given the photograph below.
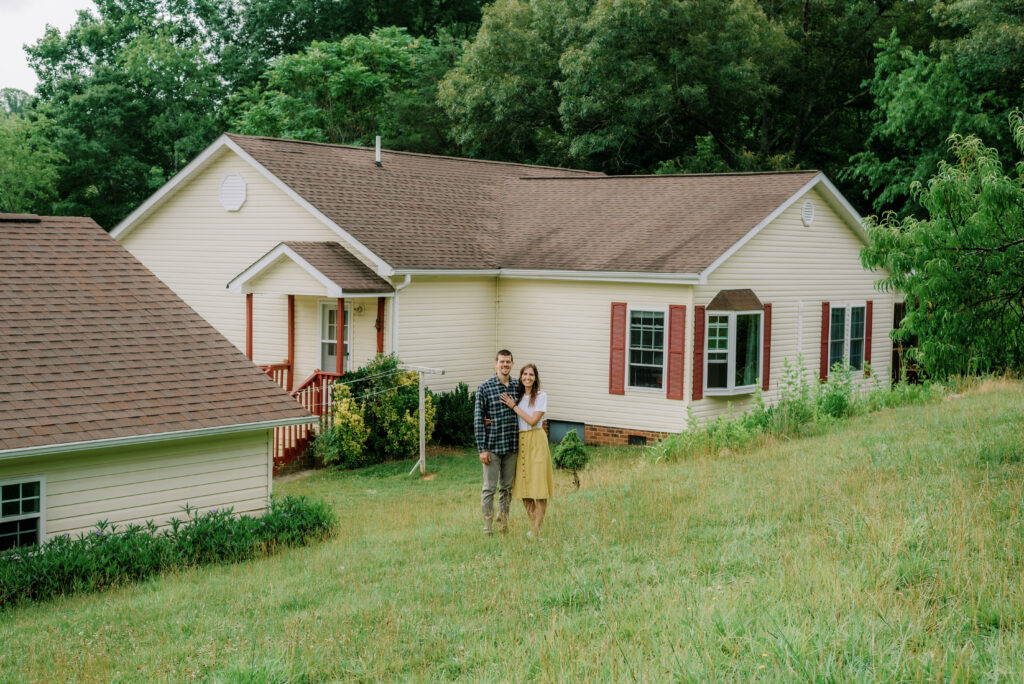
(499, 474)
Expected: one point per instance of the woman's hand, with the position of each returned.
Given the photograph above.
(507, 400)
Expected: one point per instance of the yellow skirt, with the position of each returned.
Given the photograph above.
(534, 475)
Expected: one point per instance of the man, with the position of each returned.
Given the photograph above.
(497, 440)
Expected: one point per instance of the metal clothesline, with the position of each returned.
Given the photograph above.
(422, 463)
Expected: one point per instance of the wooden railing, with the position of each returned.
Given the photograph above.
(278, 372)
(315, 394)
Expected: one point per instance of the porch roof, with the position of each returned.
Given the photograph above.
(331, 269)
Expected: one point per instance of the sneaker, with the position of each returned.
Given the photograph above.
(529, 535)
(487, 527)
(502, 524)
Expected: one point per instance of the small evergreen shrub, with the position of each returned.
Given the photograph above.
(453, 425)
(108, 556)
(343, 439)
(570, 454)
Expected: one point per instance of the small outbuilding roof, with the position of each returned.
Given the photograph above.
(95, 349)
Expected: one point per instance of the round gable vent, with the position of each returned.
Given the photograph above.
(232, 192)
(807, 214)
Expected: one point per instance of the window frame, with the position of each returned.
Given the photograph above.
(848, 334)
(41, 479)
(732, 389)
(663, 310)
(323, 306)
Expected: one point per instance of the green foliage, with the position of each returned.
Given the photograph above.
(804, 406)
(108, 556)
(570, 454)
(13, 100)
(28, 172)
(342, 439)
(351, 90)
(454, 418)
(964, 81)
(389, 401)
(961, 268)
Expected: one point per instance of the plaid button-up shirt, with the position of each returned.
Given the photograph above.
(502, 435)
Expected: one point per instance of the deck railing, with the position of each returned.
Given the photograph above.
(315, 394)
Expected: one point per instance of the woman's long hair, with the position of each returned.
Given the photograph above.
(536, 382)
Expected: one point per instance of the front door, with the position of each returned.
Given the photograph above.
(329, 337)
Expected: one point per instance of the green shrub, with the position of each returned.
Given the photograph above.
(108, 556)
(389, 400)
(454, 422)
(836, 398)
(343, 439)
(570, 454)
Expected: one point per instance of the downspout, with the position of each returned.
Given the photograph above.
(394, 315)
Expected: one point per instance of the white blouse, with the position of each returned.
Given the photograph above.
(540, 403)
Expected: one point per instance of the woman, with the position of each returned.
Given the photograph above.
(534, 481)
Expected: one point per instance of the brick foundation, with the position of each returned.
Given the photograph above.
(602, 435)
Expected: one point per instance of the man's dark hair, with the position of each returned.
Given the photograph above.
(503, 352)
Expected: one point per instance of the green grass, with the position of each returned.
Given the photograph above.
(889, 547)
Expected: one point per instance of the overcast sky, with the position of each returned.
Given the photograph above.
(24, 21)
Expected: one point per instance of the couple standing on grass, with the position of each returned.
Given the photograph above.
(509, 426)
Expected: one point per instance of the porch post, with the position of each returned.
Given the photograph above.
(291, 341)
(341, 336)
(248, 325)
(380, 325)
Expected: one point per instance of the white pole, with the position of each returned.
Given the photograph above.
(423, 428)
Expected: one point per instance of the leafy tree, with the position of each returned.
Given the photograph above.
(961, 269)
(966, 82)
(13, 101)
(28, 173)
(350, 91)
(133, 92)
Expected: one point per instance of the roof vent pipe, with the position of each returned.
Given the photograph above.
(377, 158)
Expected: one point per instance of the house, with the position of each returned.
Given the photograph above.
(643, 299)
(117, 401)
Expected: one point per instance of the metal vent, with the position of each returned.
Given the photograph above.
(807, 214)
(232, 192)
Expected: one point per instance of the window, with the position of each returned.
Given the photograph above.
(733, 358)
(21, 513)
(846, 335)
(329, 337)
(647, 349)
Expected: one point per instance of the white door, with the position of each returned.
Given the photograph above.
(329, 337)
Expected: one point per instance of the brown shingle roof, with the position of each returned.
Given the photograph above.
(94, 346)
(421, 211)
(414, 211)
(659, 224)
(338, 264)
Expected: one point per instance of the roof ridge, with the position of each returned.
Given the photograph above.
(788, 172)
(596, 174)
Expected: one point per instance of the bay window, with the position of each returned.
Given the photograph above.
(733, 356)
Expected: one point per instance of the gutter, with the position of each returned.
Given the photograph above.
(152, 438)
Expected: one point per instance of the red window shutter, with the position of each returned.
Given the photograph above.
(698, 352)
(676, 351)
(766, 358)
(867, 335)
(617, 361)
(823, 371)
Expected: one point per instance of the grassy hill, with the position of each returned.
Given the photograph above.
(890, 547)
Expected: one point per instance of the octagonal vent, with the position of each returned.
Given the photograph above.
(232, 192)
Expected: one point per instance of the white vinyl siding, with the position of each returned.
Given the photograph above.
(796, 268)
(449, 323)
(564, 327)
(151, 482)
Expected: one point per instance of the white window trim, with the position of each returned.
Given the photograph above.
(41, 479)
(664, 347)
(731, 368)
(324, 304)
(832, 306)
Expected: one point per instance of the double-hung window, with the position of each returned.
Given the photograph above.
(733, 352)
(846, 334)
(21, 513)
(647, 349)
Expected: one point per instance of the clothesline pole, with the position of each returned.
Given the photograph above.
(420, 370)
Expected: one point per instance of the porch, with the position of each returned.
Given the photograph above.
(313, 311)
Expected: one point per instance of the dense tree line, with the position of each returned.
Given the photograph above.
(867, 90)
